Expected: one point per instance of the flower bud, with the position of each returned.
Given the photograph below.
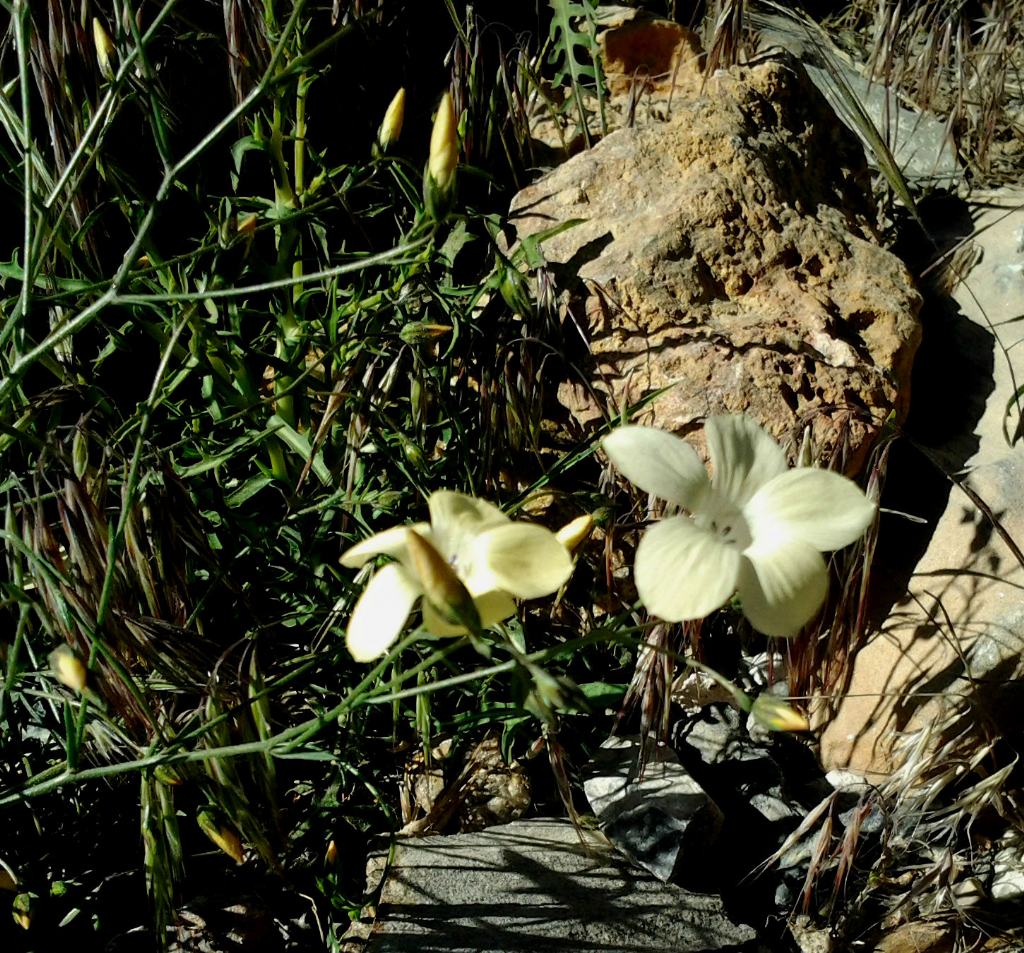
(441, 587)
(574, 533)
(444, 156)
(423, 332)
(68, 668)
(391, 127)
(80, 453)
(444, 144)
(7, 880)
(222, 835)
(168, 775)
(777, 715)
(104, 49)
(331, 854)
(247, 225)
(515, 291)
(21, 910)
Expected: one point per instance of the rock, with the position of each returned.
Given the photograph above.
(648, 63)
(659, 818)
(919, 141)
(1008, 868)
(946, 658)
(754, 794)
(538, 885)
(808, 938)
(920, 936)
(848, 781)
(654, 54)
(729, 253)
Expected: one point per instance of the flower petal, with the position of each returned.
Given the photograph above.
(658, 463)
(381, 612)
(391, 542)
(684, 572)
(743, 457)
(524, 560)
(494, 606)
(456, 519)
(782, 586)
(817, 507)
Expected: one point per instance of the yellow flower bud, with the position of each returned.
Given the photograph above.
(21, 910)
(7, 880)
(247, 225)
(68, 668)
(331, 854)
(104, 49)
(391, 127)
(444, 146)
(574, 533)
(777, 715)
(441, 587)
(222, 835)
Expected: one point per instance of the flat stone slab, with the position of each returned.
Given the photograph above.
(536, 885)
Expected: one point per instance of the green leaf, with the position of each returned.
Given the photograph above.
(248, 490)
(578, 73)
(300, 444)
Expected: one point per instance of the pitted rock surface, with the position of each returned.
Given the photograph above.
(729, 252)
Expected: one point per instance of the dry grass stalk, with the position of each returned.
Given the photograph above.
(726, 44)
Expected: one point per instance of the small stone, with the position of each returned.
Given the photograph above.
(847, 781)
(920, 936)
(809, 938)
(657, 817)
(1008, 868)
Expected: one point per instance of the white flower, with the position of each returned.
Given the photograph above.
(489, 557)
(755, 527)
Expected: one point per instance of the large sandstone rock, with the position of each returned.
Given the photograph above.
(728, 253)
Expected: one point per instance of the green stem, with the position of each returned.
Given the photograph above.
(21, 366)
(21, 43)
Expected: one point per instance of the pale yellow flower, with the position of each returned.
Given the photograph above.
(474, 550)
(755, 527)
